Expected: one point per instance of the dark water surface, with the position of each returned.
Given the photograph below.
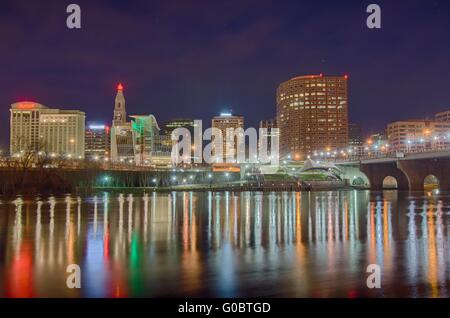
(226, 245)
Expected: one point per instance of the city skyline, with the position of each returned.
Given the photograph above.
(225, 154)
(200, 70)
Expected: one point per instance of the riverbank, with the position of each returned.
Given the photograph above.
(229, 188)
(84, 181)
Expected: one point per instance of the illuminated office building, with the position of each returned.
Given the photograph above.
(150, 147)
(97, 141)
(418, 135)
(271, 134)
(173, 124)
(37, 128)
(225, 122)
(443, 116)
(312, 115)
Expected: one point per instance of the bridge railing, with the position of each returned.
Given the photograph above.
(384, 155)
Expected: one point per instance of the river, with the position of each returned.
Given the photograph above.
(249, 244)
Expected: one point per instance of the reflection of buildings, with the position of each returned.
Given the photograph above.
(127, 245)
(97, 141)
(312, 114)
(35, 127)
(228, 122)
(138, 141)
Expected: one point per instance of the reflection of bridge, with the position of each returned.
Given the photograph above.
(409, 171)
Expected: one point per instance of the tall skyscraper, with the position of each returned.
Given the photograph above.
(312, 114)
(224, 122)
(37, 128)
(122, 149)
(120, 113)
(97, 141)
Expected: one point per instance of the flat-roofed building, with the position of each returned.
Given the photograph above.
(272, 132)
(35, 127)
(228, 122)
(97, 141)
(443, 116)
(418, 135)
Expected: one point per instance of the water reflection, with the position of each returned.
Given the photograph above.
(226, 244)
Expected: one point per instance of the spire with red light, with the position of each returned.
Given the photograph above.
(120, 115)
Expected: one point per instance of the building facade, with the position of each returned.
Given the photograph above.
(35, 127)
(97, 141)
(120, 113)
(418, 135)
(312, 114)
(138, 141)
(122, 149)
(355, 138)
(270, 135)
(443, 116)
(150, 147)
(228, 122)
(173, 124)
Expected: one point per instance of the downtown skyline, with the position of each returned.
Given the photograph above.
(213, 69)
(225, 154)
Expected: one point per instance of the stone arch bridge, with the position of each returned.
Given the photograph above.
(410, 171)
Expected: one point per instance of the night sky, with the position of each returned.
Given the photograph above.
(195, 58)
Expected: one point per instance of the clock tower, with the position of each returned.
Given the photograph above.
(120, 114)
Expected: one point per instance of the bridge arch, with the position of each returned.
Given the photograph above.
(420, 169)
(355, 177)
(390, 182)
(377, 173)
(359, 181)
(410, 172)
(431, 182)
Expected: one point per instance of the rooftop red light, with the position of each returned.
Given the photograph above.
(120, 87)
(26, 105)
